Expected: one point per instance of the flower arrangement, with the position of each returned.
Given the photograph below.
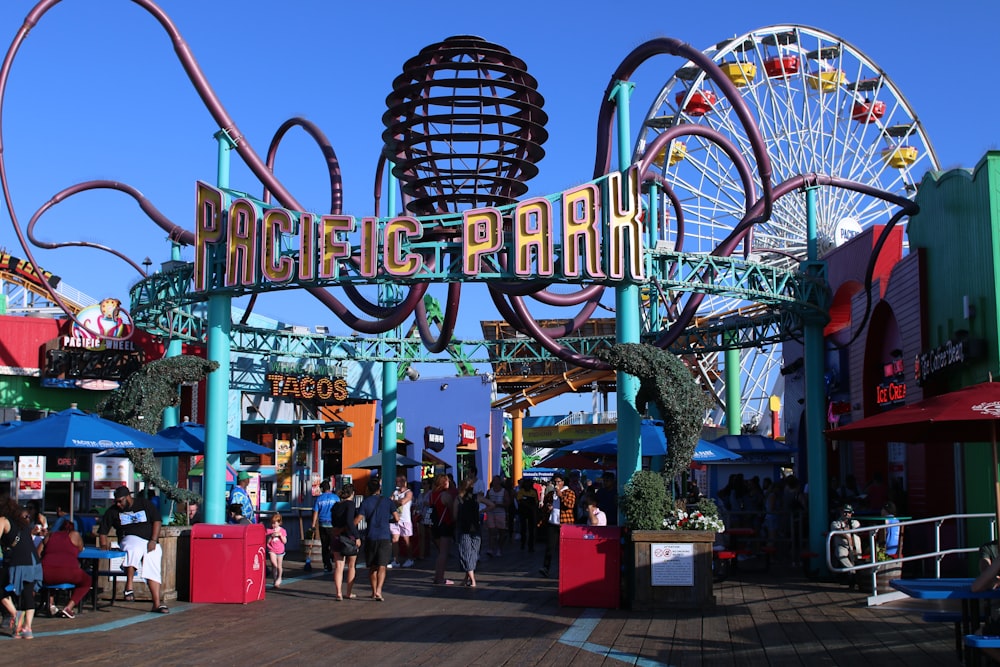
(680, 519)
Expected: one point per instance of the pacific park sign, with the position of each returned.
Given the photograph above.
(591, 233)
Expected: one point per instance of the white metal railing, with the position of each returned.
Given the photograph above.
(869, 535)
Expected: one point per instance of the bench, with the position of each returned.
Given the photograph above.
(49, 592)
(979, 642)
(723, 560)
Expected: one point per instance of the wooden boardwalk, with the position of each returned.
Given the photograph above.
(512, 618)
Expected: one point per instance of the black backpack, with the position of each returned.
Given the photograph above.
(468, 515)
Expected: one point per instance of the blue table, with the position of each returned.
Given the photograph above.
(92, 556)
(950, 589)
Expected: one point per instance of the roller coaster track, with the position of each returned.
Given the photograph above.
(23, 291)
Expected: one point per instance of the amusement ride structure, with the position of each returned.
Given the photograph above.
(758, 155)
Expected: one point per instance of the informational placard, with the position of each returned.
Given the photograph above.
(283, 465)
(30, 477)
(107, 474)
(672, 564)
(254, 490)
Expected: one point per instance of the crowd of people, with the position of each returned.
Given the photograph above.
(437, 515)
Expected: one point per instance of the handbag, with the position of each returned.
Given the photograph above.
(348, 547)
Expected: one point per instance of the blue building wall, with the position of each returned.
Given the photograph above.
(445, 403)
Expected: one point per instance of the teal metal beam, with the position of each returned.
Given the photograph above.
(627, 329)
(815, 396)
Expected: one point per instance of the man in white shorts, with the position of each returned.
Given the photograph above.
(137, 525)
(402, 530)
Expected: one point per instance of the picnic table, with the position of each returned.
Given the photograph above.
(91, 558)
(950, 588)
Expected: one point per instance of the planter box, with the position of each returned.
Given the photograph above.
(672, 569)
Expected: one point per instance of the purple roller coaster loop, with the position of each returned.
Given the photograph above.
(241, 145)
(515, 311)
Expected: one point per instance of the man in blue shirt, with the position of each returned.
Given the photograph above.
(378, 511)
(239, 496)
(323, 521)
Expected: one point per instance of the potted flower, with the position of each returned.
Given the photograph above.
(705, 516)
(671, 547)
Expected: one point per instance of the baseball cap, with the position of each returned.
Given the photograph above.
(243, 474)
(121, 492)
(847, 509)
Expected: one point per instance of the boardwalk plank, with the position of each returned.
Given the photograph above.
(512, 619)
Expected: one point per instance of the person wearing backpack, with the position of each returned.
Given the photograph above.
(468, 517)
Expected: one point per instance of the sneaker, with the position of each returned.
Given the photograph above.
(66, 613)
(394, 563)
(408, 562)
(53, 610)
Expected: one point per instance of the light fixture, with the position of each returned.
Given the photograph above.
(444, 385)
(147, 263)
(412, 373)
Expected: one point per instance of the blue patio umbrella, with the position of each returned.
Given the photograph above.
(707, 452)
(76, 430)
(193, 435)
(752, 443)
(375, 461)
(652, 442)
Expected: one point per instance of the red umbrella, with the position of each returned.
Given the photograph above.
(966, 415)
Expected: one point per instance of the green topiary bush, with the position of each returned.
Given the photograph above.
(644, 501)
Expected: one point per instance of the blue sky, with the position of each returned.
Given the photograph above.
(96, 92)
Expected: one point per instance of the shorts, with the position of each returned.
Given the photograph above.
(496, 520)
(378, 553)
(146, 563)
(401, 528)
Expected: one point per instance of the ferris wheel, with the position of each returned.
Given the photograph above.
(821, 106)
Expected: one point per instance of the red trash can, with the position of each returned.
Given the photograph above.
(590, 566)
(227, 563)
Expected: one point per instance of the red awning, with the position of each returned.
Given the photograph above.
(971, 414)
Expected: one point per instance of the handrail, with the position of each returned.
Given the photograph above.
(937, 554)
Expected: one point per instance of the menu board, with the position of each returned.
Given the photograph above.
(672, 564)
(30, 477)
(107, 474)
(283, 465)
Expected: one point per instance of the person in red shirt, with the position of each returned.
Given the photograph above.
(61, 565)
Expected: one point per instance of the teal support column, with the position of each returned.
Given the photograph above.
(217, 400)
(217, 408)
(815, 400)
(627, 328)
(734, 409)
(390, 371)
(389, 382)
(171, 415)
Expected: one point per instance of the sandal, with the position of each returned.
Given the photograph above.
(378, 598)
(338, 598)
(352, 596)
(67, 613)
(128, 596)
(162, 609)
